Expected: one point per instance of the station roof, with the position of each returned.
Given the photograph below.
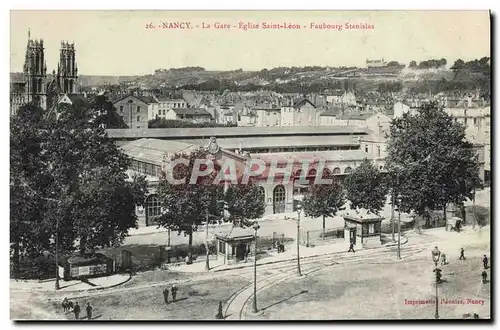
(152, 150)
(235, 234)
(280, 142)
(220, 132)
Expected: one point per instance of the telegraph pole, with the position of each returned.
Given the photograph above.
(207, 263)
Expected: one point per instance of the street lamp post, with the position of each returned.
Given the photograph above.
(57, 286)
(207, 262)
(299, 209)
(392, 212)
(399, 231)
(255, 310)
(435, 257)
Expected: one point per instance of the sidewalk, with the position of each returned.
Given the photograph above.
(98, 283)
(273, 257)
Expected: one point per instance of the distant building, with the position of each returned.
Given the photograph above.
(193, 115)
(400, 108)
(166, 103)
(33, 86)
(302, 113)
(134, 111)
(376, 63)
(268, 117)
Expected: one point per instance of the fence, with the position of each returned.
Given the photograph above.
(316, 237)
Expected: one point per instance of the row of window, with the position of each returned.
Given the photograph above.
(159, 113)
(174, 105)
(372, 228)
(145, 168)
(122, 108)
(138, 118)
(303, 149)
(378, 150)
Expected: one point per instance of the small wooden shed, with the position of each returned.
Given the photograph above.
(234, 244)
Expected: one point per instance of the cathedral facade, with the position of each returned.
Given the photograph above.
(34, 86)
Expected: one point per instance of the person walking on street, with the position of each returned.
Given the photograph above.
(485, 262)
(165, 295)
(76, 310)
(65, 305)
(484, 275)
(351, 248)
(89, 311)
(462, 256)
(443, 259)
(174, 292)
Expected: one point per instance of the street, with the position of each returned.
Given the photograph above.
(366, 284)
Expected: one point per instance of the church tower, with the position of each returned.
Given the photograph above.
(67, 70)
(35, 73)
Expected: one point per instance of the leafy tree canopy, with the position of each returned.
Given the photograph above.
(366, 188)
(435, 163)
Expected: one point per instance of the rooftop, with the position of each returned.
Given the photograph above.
(279, 142)
(220, 132)
(191, 111)
(153, 150)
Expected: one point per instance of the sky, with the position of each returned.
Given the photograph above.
(118, 42)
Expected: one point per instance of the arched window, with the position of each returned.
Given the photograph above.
(279, 197)
(336, 170)
(312, 172)
(347, 170)
(326, 173)
(153, 209)
(262, 193)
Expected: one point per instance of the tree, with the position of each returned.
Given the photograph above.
(366, 188)
(458, 65)
(244, 202)
(88, 172)
(185, 205)
(433, 160)
(68, 182)
(413, 65)
(107, 114)
(324, 200)
(29, 236)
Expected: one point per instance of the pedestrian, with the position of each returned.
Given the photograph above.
(484, 275)
(89, 311)
(165, 295)
(174, 292)
(76, 310)
(485, 262)
(462, 256)
(443, 259)
(351, 248)
(65, 305)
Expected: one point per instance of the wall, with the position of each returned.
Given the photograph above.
(127, 108)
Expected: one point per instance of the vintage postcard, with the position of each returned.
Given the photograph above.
(250, 165)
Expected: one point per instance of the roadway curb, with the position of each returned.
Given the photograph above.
(100, 288)
(295, 258)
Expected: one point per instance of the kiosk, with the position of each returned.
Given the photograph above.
(234, 244)
(362, 228)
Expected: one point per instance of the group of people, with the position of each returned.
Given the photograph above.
(484, 274)
(173, 290)
(280, 247)
(69, 306)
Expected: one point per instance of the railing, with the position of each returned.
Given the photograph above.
(315, 237)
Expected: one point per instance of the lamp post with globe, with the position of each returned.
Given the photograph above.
(436, 254)
(255, 228)
(299, 210)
